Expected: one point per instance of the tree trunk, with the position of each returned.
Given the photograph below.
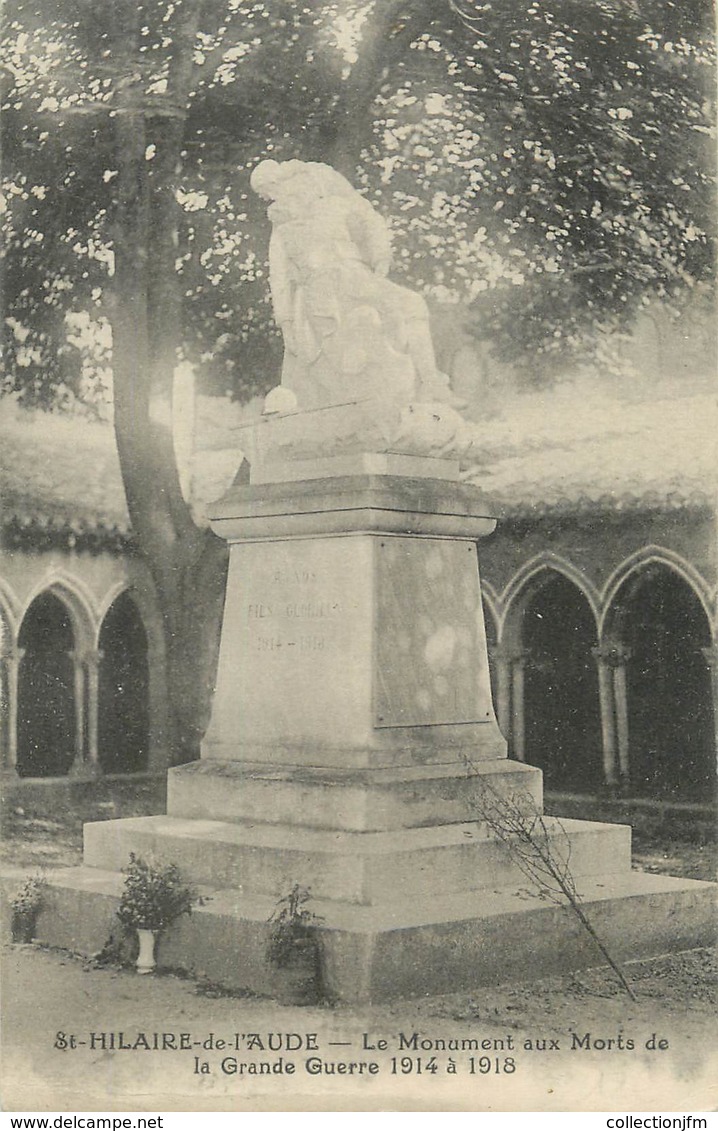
(188, 563)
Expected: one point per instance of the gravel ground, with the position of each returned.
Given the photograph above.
(589, 1046)
(574, 1043)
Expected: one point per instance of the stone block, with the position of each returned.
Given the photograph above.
(364, 868)
(410, 948)
(360, 800)
(385, 634)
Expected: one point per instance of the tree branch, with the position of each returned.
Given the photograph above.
(522, 828)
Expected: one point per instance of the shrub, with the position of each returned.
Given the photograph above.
(291, 927)
(29, 896)
(154, 895)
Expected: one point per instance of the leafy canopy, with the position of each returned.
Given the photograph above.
(547, 166)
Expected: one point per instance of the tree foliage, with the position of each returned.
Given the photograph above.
(547, 165)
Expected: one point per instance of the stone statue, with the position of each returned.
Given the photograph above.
(350, 334)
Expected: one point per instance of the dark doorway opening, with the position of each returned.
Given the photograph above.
(123, 723)
(561, 703)
(46, 690)
(671, 732)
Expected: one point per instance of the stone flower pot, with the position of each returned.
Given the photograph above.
(22, 926)
(296, 981)
(146, 961)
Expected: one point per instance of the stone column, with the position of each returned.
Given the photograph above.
(710, 655)
(510, 664)
(620, 692)
(12, 670)
(502, 657)
(92, 664)
(78, 768)
(611, 660)
(608, 720)
(518, 712)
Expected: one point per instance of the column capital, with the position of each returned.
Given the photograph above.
(612, 654)
(509, 653)
(13, 655)
(710, 655)
(89, 656)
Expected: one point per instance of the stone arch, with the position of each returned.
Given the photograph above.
(641, 559)
(120, 587)
(550, 633)
(148, 607)
(123, 687)
(534, 574)
(79, 602)
(139, 588)
(49, 720)
(657, 620)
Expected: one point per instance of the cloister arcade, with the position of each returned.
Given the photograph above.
(603, 689)
(610, 689)
(80, 691)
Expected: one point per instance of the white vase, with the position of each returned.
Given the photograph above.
(146, 958)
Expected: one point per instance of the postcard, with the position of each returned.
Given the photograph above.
(357, 584)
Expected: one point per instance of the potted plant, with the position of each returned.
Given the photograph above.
(154, 895)
(293, 949)
(26, 905)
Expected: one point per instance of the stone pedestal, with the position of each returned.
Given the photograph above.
(353, 628)
(352, 740)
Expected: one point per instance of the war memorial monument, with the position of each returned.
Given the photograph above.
(353, 739)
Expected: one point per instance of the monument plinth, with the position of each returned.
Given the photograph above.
(351, 747)
(353, 739)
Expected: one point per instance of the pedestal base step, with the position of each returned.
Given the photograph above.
(411, 948)
(360, 868)
(361, 800)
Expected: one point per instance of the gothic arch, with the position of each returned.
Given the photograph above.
(531, 577)
(139, 589)
(657, 618)
(642, 559)
(120, 587)
(123, 687)
(49, 691)
(147, 607)
(77, 599)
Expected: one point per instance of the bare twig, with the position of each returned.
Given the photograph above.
(543, 854)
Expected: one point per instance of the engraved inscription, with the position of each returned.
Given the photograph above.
(311, 610)
(303, 640)
(259, 612)
(278, 617)
(293, 576)
(302, 644)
